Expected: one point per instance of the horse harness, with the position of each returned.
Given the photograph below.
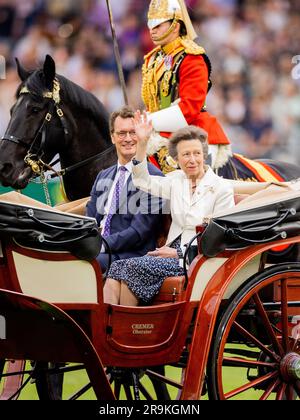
(35, 151)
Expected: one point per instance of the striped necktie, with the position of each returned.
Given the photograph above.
(115, 200)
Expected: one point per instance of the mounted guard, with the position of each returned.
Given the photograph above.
(176, 80)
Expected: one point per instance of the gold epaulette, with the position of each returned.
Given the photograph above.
(190, 47)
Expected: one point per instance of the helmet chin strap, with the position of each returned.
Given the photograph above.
(168, 32)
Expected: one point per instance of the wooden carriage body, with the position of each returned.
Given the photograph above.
(55, 291)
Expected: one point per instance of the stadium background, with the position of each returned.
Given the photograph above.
(254, 47)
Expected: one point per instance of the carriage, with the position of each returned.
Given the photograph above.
(229, 328)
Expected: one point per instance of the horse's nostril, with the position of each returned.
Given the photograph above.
(5, 168)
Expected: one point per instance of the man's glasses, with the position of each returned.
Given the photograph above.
(123, 134)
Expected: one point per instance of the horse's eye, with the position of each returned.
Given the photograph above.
(35, 110)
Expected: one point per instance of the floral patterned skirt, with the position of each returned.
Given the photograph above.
(145, 275)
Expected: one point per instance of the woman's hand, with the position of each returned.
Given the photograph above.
(143, 129)
(164, 252)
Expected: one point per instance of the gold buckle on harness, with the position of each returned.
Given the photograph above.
(59, 112)
(48, 117)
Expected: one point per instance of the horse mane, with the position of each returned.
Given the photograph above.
(70, 92)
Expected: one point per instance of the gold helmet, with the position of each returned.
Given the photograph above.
(163, 10)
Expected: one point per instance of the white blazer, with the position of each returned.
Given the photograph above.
(213, 194)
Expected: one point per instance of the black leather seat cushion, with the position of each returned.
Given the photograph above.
(50, 230)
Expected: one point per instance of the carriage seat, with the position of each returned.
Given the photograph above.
(172, 290)
(240, 197)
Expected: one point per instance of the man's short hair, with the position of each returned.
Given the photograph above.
(124, 112)
(188, 133)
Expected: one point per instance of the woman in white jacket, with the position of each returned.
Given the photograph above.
(194, 191)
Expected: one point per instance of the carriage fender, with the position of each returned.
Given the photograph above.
(217, 288)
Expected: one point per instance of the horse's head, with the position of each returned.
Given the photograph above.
(28, 140)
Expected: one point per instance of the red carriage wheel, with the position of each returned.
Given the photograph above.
(256, 350)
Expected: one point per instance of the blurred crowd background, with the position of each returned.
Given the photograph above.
(254, 47)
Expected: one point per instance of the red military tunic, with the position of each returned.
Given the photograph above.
(192, 81)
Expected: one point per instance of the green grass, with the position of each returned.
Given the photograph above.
(75, 380)
(232, 379)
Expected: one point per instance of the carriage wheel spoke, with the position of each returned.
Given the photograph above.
(251, 384)
(162, 378)
(81, 392)
(267, 324)
(270, 389)
(290, 393)
(128, 392)
(62, 369)
(144, 392)
(251, 337)
(236, 361)
(23, 372)
(117, 389)
(297, 388)
(281, 391)
(284, 315)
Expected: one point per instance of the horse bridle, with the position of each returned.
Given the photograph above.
(35, 150)
(34, 154)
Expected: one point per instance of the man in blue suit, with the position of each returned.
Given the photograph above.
(128, 218)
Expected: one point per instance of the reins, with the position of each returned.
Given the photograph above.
(77, 165)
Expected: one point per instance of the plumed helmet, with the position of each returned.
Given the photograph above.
(163, 10)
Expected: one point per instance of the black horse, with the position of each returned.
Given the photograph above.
(53, 115)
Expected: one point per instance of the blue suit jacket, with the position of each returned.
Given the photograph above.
(135, 225)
